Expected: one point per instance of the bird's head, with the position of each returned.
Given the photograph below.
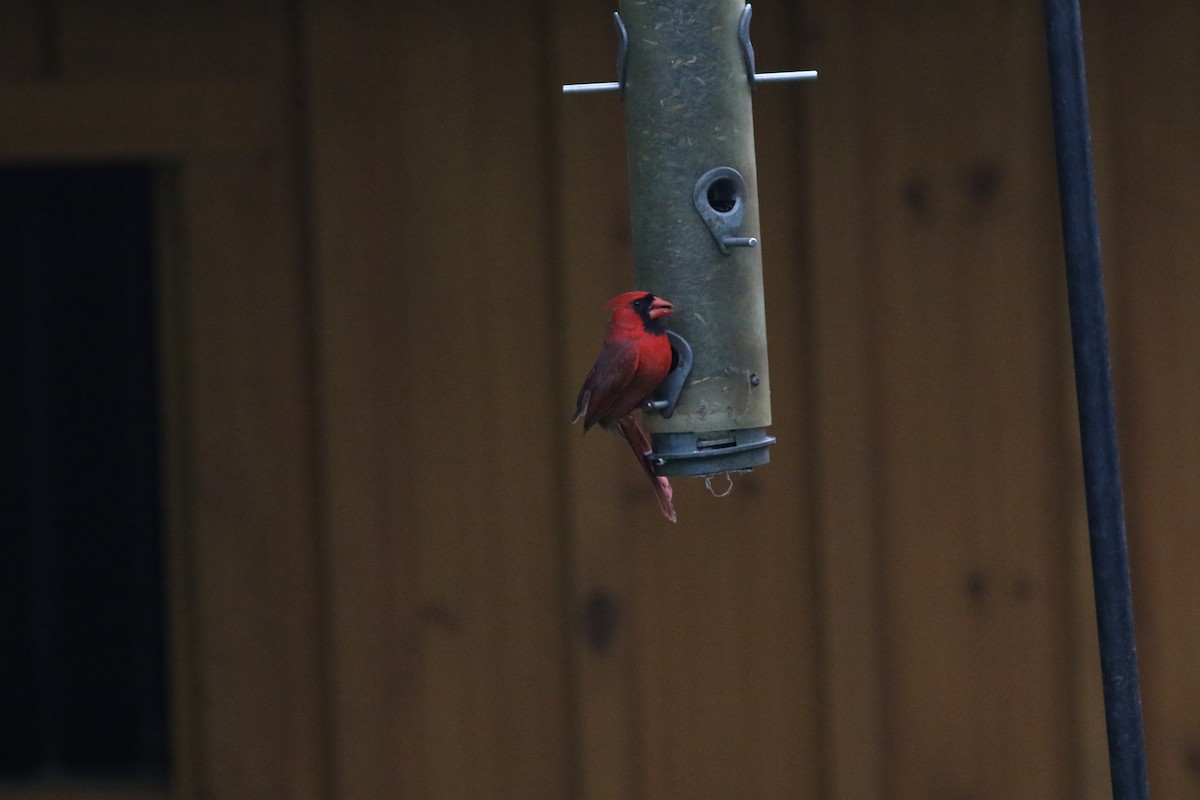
(643, 306)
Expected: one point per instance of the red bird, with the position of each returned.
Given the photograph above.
(635, 359)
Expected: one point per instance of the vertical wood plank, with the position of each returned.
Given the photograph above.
(369, 543)
(26, 39)
(782, 576)
(179, 591)
(250, 521)
(965, 294)
(1153, 245)
(921, 407)
(432, 267)
(844, 430)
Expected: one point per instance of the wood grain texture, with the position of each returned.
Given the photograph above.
(967, 309)
(251, 537)
(442, 511)
(845, 465)
(398, 571)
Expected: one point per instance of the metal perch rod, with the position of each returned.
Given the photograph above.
(760, 77)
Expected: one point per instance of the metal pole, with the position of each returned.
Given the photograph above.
(1093, 387)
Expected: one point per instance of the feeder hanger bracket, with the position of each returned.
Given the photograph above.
(753, 77)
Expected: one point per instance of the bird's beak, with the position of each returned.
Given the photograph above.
(660, 308)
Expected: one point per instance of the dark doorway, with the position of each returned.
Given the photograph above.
(83, 688)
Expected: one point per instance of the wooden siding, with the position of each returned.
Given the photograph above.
(398, 572)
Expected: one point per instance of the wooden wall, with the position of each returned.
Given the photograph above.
(398, 572)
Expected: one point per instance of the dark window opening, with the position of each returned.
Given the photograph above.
(83, 686)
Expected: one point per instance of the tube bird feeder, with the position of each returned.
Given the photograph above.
(686, 74)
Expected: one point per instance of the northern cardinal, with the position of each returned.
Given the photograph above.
(635, 359)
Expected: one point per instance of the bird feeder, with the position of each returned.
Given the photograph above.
(686, 75)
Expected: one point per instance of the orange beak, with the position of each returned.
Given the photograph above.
(660, 308)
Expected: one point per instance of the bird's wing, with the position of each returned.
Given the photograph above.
(605, 395)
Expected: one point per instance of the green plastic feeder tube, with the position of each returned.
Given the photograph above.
(688, 111)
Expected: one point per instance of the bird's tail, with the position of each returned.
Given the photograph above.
(636, 436)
